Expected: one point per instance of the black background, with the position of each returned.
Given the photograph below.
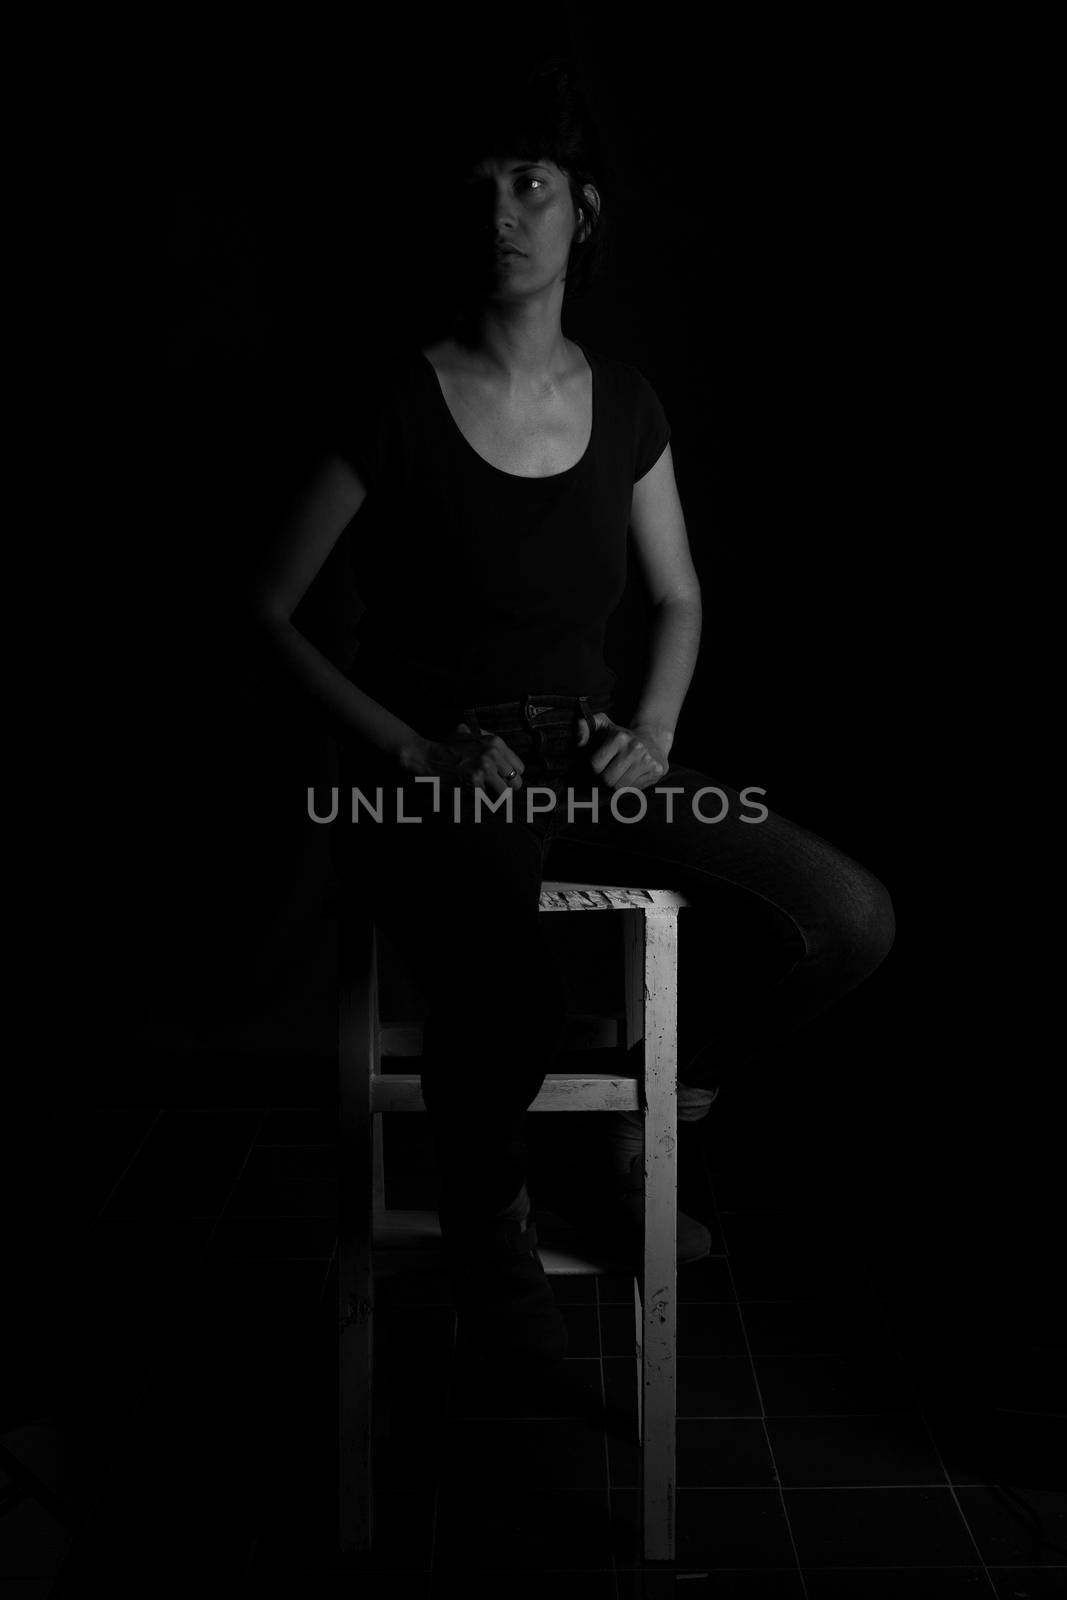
(777, 272)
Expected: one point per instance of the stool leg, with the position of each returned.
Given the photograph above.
(378, 1158)
(633, 933)
(357, 1053)
(660, 1268)
(639, 1347)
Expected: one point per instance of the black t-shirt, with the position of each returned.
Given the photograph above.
(480, 585)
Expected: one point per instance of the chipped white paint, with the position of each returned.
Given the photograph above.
(652, 1012)
(603, 897)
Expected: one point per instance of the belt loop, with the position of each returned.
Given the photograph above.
(590, 720)
(528, 719)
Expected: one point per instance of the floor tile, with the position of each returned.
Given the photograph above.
(187, 1165)
(282, 1163)
(282, 1197)
(893, 1448)
(988, 1446)
(615, 1288)
(877, 1527)
(900, 1583)
(148, 1243)
(678, 1584)
(1037, 1381)
(261, 1293)
(807, 1275)
(497, 1529)
(300, 1536)
(275, 1239)
(712, 1453)
(698, 1280)
(814, 1327)
(338, 1586)
(705, 1329)
(583, 1329)
(716, 1387)
(510, 1584)
(711, 1388)
(709, 1329)
(715, 1528)
(299, 1125)
(706, 1280)
(1030, 1583)
(178, 1514)
(619, 1331)
(826, 1385)
(1012, 1526)
(409, 1447)
(572, 1288)
(573, 1390)
(111, 1139)
(524, 1454)
(754, 1183)
(1048, 1318)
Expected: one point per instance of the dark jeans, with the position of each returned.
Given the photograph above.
(793, 922)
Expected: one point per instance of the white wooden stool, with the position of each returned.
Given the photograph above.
(368, 1232)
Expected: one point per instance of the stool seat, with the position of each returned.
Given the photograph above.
(557, 896)
(372, 1237)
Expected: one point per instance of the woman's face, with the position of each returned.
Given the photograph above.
(520, 225)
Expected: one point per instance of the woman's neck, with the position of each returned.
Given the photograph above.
(520, 342)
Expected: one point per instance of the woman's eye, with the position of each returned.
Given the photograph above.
(540, 182)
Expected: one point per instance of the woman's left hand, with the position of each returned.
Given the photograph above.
(626, 758)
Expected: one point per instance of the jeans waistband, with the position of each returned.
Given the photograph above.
(534, 711)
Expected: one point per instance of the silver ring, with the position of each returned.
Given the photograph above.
(513, 773)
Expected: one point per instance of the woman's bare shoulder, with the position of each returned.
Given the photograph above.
(441, 354)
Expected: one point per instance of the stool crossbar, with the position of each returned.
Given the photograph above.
(368, 1232)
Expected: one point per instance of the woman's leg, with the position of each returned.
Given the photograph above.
(822, 923)
(460, 902)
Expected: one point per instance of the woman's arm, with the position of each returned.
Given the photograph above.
(635, 757)
(662, 547)
(327, 506)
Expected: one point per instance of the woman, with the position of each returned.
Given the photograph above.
(497, 476)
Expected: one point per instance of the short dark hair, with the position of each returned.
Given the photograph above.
(546, 117)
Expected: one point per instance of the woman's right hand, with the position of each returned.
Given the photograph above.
(465, 761)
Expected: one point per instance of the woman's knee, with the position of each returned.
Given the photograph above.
(865, 923)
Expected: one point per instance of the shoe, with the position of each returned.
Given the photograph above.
(504, 1300)
(694, 1104)
(619, 1223)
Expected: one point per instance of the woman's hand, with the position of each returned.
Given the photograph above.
(626, 758)
(465, 761)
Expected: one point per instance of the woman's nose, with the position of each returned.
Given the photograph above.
(504, 213)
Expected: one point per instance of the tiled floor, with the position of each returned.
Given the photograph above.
(182, 1439)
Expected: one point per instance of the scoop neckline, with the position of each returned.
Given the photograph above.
(521, 477)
